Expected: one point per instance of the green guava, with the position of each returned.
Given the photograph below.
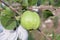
(30, 20)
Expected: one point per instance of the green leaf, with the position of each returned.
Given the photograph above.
(44, 2)
(49, 2)
(57, 2)
(7, 19)
(46, 14)
(7, 12)
(32, 2)
(30, 37)
(52, 2)
(8, 23)
(25, 3)
(58, 37)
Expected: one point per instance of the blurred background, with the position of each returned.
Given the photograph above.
(48, 10)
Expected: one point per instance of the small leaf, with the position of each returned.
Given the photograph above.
(30, 37)
(57, 37)
(25, 3)
(32, 2)
(46, 14)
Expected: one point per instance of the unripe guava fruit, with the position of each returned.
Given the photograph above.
(30, 20)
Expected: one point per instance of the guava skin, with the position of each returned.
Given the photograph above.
(30, 20)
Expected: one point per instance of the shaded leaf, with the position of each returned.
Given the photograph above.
(30, 37)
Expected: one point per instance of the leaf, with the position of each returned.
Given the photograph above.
(44, 1)
(25, 3)
(55, 36)
(8, 23)
(7, 19)
(32, 2)
(46, 14)
(7, 12)
(58, 37)
(30, 37)
(38, 2)
(52, 2)
(57, 2)
(49, 2)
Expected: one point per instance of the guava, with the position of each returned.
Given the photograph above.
(30, 20)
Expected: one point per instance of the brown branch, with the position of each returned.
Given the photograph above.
(43, 34)
(43, 7)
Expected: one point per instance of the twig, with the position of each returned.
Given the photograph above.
(43, 34)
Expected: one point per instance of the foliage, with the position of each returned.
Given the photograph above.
(30, 37)
(56, 36)
(7, 19)
(57, 2)
(46, 14)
